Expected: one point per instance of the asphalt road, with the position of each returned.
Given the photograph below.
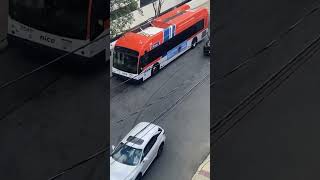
(277, 140)
(52, 119)
(245, 30)
(186, 125)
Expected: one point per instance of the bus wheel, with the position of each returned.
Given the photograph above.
(194, 42)
(155, 69)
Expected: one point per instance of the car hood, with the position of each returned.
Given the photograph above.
(119, 171)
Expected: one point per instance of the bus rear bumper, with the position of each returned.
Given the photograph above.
(32, 47)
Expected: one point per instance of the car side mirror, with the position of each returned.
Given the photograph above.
(145, 159)
(113, 147)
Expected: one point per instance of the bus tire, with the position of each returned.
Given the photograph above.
(155, 69)
(194, 42)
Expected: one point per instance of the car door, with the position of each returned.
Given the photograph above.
(149, 153)
(154, 149)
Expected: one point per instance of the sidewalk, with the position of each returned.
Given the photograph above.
(148, 11)
(203, 172)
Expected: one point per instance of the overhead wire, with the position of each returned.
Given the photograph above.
(269, 45)
(222, 122)
(25, 75)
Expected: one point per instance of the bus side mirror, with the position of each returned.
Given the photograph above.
(145, 159)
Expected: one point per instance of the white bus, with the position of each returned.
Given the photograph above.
(60, 25)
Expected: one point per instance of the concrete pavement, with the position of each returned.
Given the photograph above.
(203, 172)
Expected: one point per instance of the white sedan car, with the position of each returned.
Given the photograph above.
(135, 153)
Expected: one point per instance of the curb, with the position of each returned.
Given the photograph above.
(203, 172)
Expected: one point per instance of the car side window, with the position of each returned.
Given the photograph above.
(150, 144)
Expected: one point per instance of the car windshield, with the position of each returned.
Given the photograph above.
(66, 18)
(125, 62)
(127, 155)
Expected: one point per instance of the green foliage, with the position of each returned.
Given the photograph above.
(120, 16)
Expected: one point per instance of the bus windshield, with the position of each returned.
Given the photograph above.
(67, 18)
(125, 62)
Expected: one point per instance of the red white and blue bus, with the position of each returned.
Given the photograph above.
(60, 25)
(142, 53)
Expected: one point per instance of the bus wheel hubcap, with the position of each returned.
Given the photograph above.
(154, 69)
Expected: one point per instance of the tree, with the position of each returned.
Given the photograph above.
(121, 16)
(157, 5)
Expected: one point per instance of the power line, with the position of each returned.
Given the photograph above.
(252, 108)
(265, 84)
(13, 109)
(264, 87)
(265, 48)
(59, 174)
(25, 75)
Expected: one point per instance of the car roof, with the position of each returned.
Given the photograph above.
(144, 131)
